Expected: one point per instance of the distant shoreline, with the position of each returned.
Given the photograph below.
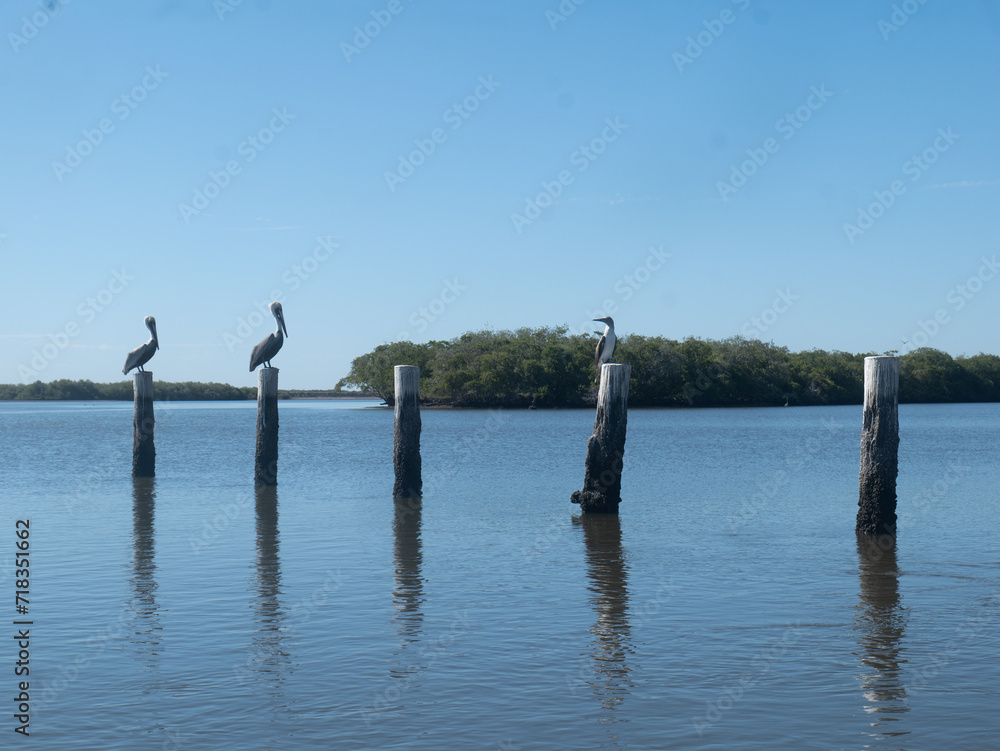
(166, 391)
(65, 390)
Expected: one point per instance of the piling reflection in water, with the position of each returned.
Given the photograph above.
(608, 574)
(270, 658)
(407, 595)
(408, 582)
(880, 622)
(143, 580)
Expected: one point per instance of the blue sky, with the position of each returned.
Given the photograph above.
(823, 175)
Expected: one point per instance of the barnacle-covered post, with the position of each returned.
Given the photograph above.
(879, 448)
(602, 483)
(265, 470)
(143, 450)
(406, 434)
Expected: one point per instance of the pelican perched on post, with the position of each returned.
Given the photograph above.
(271, 343)
(141, 354)
(605, 347)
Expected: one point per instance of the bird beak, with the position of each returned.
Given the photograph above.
(281, 320)
(156, 339)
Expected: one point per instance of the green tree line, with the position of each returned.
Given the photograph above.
(122, 391)
(550, 367)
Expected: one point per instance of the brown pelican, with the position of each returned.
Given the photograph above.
(605, 347)
(141, 354)
(271, 343)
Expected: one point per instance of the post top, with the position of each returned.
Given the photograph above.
(267, 374)
(882, 357)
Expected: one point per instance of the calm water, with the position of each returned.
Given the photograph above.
(728, 607)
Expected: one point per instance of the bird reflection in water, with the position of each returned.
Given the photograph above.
(271, 660)
(143, 581)
(880, 622)
(608, 576)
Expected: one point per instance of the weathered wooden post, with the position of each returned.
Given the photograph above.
(879, 448)
(265, 471)
(602, 482)
(143, 450)
(406, 435)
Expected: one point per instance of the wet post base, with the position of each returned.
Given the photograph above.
(602, 483)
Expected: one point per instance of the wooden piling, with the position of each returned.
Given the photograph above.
(143, 449)
(265, 471)
(879, 448)
(406, 435)
(602, 483)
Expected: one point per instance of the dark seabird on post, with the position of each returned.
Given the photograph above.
(270, 345)
(142, 354)
(605, 347)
